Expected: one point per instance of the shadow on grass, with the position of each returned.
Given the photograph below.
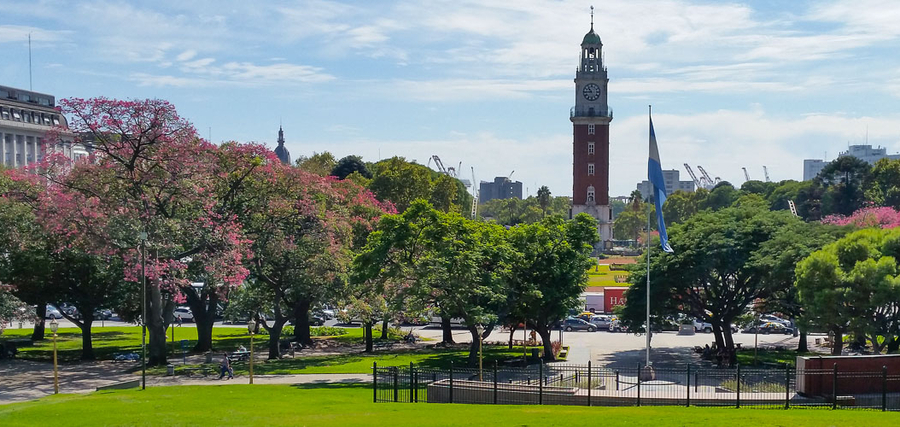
(332, 386)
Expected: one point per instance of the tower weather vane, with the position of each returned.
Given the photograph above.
(592, 17)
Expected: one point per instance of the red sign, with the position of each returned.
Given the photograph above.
(613, 297)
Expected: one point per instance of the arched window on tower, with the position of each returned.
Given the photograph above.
(590, 194)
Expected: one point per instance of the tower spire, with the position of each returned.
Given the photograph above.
(592, 17)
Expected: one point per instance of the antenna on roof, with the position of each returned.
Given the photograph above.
(30, 85)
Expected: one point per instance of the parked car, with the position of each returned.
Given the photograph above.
(104, 314)
(770, 328)
(316, 319)
(601, 321)
(774, 319)
(185, 313)
(52, 313)
(576, 324)
(706, 327)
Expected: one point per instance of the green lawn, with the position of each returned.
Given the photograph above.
(601, 275)
(351, 405)
(362, 363)
(770, 357)
(112, 340)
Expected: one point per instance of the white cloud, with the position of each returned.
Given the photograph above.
(186, 55)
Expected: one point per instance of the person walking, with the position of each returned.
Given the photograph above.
(226, 367)
(179, 320)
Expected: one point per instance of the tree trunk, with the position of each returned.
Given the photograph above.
(729, 340)
(301, 322)
(802, 347)
(717, 333)
(367, 326)
(384, 329)
(447, 331)
(87, 345)
(203, 307)
(544, 332)
(837, 344)
(275, 338)
(893, 344)
(41, 313)
(512, 331)
(156, 327)
(473, 347)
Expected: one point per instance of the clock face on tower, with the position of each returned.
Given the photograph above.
(591, 92)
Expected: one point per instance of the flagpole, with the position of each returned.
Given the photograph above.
(649, 113)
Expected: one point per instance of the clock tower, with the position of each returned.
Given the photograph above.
(590, 129)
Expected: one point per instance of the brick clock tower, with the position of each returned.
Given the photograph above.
(590, 128)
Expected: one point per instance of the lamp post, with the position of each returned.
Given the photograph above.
(143, 311)
(480, 330)
(756, 340)
(54, 326)
(250, 330)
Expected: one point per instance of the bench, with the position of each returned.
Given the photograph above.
(239, 356)
(201, 370)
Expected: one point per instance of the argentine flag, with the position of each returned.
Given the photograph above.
(654, 174)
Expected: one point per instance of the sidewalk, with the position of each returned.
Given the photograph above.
(24, 380)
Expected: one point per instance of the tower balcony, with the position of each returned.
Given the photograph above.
(590, 112)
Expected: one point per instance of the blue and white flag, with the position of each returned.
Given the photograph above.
(655, 175)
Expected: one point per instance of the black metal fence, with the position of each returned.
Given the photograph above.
(556, 384)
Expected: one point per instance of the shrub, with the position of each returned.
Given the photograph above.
(325, 331)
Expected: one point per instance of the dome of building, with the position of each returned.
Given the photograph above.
(591, 37)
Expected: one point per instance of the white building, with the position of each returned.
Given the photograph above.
(25, 118)
(812, 167)
(672, 178)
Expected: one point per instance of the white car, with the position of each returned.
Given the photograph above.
(185, 313)
(52, 313)
(707, 327)
(601, 321)
(774, 319)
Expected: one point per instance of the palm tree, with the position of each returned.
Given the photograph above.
(543, 195)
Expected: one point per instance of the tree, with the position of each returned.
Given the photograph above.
(844, 181)
(779, 256)
(442, 260)
(628, 225)
(349, 165)
(549, 271)
(709, 276)
(543, 196)
(682, 205)
(881, 217)
(150, 173)
(721, 196)
(401, 182)
(758, 187)
(319, 163)
(883, 188)
(851, 286)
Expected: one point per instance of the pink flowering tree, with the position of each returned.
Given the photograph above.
(304, 228)
(868, 217)
(149, 172)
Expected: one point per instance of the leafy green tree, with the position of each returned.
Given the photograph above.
(721, 196)
(884, 186)
(319, 163)
(709, 276)
(510, 212)
(401, 182)
(779, 256)
(549, 271)
(791, 190)
(628, 225)
(349, 165)
(851, 286)
(844, 181)
(758, 187)
(682, 205)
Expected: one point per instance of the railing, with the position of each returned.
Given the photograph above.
(590, 112)
(556, 384)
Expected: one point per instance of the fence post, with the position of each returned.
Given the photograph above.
(787, 387)
(834, 388)
(617, 380)
(638, 384)
(883, 388)
(697, 381)
(495, 382)
(688, 386)
(738, 386)
(541, 383)
(416, 390)
(396, 372)
(412, 382)
(374, 382)
(451, 382)
(589, 383)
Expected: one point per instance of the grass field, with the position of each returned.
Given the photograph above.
(359, 363)
(113, 340)
(601, 275)
(351, 405)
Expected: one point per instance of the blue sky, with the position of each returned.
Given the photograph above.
(487, 83)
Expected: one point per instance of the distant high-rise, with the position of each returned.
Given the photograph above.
(25, 118)
(812, 167)
(673, 183)
(501, 188)
(281, 151)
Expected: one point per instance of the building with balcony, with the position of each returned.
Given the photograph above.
(25, 119)
(501, 188)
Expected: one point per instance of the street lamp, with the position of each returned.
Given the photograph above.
(250, 330)
(54, 326)
(143, 237)
(480, 330)
(756, 340)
